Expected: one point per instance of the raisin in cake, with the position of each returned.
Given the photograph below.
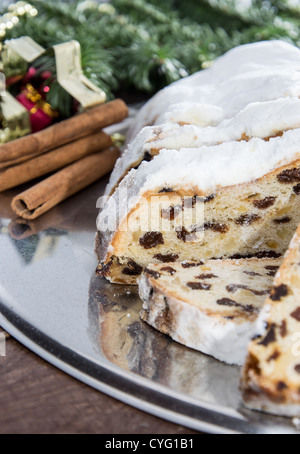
(210, 306)
(271, 374)
(234, 199)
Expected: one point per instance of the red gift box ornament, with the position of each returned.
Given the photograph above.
(41, 112)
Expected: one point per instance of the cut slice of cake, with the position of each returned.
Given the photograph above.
(233, 199)
(271, 374)
(209, 306)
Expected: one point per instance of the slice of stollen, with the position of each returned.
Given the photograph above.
(209, 306)
(271, 375)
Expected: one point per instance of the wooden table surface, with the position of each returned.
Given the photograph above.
(38, 398)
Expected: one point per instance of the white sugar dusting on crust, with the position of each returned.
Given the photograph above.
(262, 120)
(269, 70)
(227, 164)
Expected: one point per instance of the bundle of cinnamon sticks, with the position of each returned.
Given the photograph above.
(69, 155)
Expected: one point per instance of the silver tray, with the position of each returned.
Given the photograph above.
(52, 302)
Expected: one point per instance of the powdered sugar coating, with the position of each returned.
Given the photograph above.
(227, 164)
(262, 71)
(257, 119)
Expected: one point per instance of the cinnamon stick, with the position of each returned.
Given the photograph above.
(13, 162)
(43, 196)
(65, 131)
(53, 160)
(67, 216)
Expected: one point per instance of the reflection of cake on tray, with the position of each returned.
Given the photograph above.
(211, 172)
(124, 339)
(129, 343)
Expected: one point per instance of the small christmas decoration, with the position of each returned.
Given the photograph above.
(70, 76)
(16, 55)
(31, 84)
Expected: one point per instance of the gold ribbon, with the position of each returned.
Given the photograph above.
(25, 47)
(70, 75)
(17, 54)
(68, 67)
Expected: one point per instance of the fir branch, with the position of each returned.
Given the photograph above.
(203, 12)
(149, 66)
(289, 7)
(141, 11)
(66, 12)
